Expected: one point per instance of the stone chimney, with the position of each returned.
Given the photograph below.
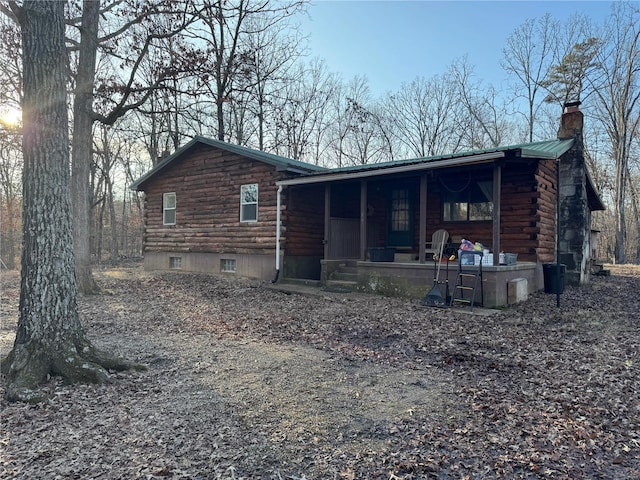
(575, 216)
(571, 122)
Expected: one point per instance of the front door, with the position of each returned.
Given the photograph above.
(400, 225)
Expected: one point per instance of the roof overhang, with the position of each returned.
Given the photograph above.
(390, 170)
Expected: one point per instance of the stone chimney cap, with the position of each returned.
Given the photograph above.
(572, 106)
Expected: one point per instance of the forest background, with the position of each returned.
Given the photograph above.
(146, 76)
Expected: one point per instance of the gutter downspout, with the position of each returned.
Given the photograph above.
(278, 221)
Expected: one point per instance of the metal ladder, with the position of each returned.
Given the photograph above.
(469, 274)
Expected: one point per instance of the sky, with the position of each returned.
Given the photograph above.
(391, 42)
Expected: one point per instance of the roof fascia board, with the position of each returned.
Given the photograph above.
(450, 162)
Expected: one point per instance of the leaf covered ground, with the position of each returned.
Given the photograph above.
(245, 382)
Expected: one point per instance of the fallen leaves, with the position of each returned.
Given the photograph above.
(247, 382)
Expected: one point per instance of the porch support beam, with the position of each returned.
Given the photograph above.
(497, 194)
(363, 220)
(327, 220)
(423, 218)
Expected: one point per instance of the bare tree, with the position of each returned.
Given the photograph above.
(617, 96)
(49, 337)
(145, 25)
(223, 28)
(10, 193)
(301, 110)
(424, 113)
(527, 56)
(10, 141)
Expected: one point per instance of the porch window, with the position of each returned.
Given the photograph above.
(467, 203)
(249, 203)
(169, 208)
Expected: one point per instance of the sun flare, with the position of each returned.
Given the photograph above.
(10, 117)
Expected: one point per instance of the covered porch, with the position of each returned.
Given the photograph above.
(375, 225)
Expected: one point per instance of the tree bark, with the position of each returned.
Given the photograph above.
(82, 145)
(49, 336)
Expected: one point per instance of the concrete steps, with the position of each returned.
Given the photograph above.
(344, 278)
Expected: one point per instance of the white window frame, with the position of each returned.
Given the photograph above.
(244, 203)
(165, 209)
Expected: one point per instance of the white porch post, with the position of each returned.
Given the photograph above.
(278, 228)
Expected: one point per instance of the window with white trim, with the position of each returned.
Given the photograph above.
(249, 203)
(169, 208)
(175, 262)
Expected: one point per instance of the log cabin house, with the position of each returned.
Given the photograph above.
(222, 208)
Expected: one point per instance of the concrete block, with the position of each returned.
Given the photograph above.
(517, 291)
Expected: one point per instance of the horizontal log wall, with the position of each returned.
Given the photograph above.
(527, 215)
(207, 185)
(547, 189)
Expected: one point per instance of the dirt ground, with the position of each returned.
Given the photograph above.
(244, 382)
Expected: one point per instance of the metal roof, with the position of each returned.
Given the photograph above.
(281, 163)
(550, 149)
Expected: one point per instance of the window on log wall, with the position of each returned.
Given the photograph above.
(249, 203)
(169, 208)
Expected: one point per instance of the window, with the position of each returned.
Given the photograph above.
(467, 203)
(169, 209)
(175, 262)
(228, 265)
(400, 212)
(249, 203)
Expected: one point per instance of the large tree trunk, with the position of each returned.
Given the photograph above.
(619, 204)
(49, 337)
(82, 145)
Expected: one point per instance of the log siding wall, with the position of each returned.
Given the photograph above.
(207, 186)
(527, 213)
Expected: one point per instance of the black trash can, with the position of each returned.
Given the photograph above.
(551, 282)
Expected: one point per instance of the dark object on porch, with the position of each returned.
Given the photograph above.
(382, 254)
(468, 278)
(551, 282)
(510, 259)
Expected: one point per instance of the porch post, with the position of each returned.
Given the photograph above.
(363, 220)
(497, 194)
(423, 218)
(327, 220)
